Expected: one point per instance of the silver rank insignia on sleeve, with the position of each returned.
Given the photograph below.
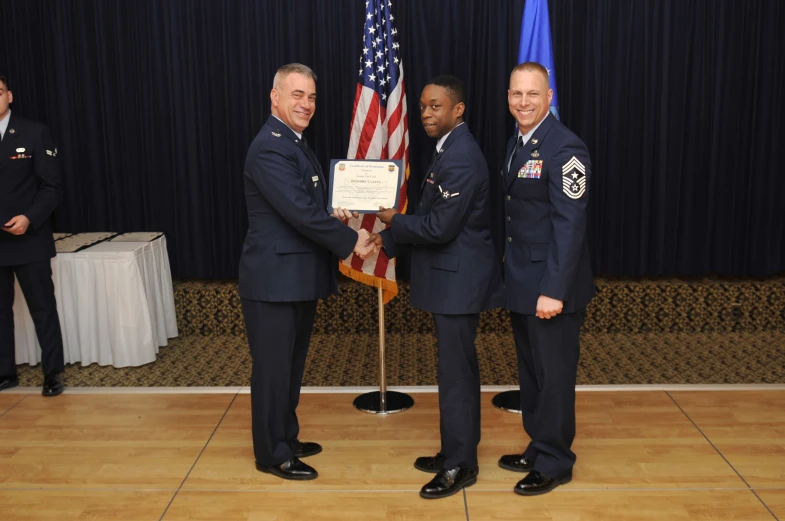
(447, 195)
(573, 178)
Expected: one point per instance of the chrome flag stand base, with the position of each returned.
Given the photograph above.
(509, 401)
(383, 401)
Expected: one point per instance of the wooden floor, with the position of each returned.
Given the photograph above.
(649, 455)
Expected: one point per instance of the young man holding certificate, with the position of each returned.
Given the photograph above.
(454, 275)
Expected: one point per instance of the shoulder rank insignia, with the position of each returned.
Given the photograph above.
(574, 178)
(447, 195)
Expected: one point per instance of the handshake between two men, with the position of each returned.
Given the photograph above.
(367, 243)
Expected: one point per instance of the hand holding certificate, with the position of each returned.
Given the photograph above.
(364, 185)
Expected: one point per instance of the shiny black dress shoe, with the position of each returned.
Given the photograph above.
(6, 382)
(537, 483)
(303, 449)
(431, 464)
(448, 482)
(53, 385)
(516, 463)
(292, 469)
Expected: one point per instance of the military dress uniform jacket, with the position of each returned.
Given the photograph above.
(545, 196)
(454, 268)
(30, 185)
(292, 242)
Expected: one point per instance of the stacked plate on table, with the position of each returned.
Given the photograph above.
(138, 237)
(80, 241)
(58, 236)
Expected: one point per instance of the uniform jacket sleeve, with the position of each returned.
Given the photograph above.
(279, 178)
(568, 218)
(448, 214)
(50, 188)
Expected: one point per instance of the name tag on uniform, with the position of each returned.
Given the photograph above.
(531, 170)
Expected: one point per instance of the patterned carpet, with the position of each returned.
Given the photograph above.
(636, 332)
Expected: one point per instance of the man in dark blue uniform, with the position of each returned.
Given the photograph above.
(454, 275)
(289, 261)
(30, 190)
(548, 278)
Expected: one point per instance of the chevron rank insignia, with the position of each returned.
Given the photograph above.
(574, 178)
(447, 195)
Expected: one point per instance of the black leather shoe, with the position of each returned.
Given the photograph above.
(537, 483)
(306, 448)
(6, 382)
(431, 464)
(292, 469)
(516, 463)
(448, 482)
(53, 385)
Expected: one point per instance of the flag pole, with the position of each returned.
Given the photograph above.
(382, 372)
(383, 401)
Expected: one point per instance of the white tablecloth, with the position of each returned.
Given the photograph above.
(115, 303)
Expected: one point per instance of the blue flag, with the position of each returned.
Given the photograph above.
(536, 42)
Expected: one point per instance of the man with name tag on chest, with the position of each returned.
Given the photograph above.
(455, 275)
(30, 190)
(548, 277)
(289, 261)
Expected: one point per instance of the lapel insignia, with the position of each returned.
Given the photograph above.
(11, 131)
(20, 150)
(276, 134)
(534, 141)
(431, 175)
(573, 178)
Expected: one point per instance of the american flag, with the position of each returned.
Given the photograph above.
(380, 130)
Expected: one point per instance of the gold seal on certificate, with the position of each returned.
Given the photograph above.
(363, 185)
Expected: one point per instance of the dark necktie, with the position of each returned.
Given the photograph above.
(434, 156)
(310, 154)
(515, 150)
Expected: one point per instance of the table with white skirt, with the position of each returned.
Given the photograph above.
(115, 303)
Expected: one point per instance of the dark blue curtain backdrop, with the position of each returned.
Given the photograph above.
(153, 104)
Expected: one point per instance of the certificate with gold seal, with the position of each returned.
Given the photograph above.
(363, 185)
